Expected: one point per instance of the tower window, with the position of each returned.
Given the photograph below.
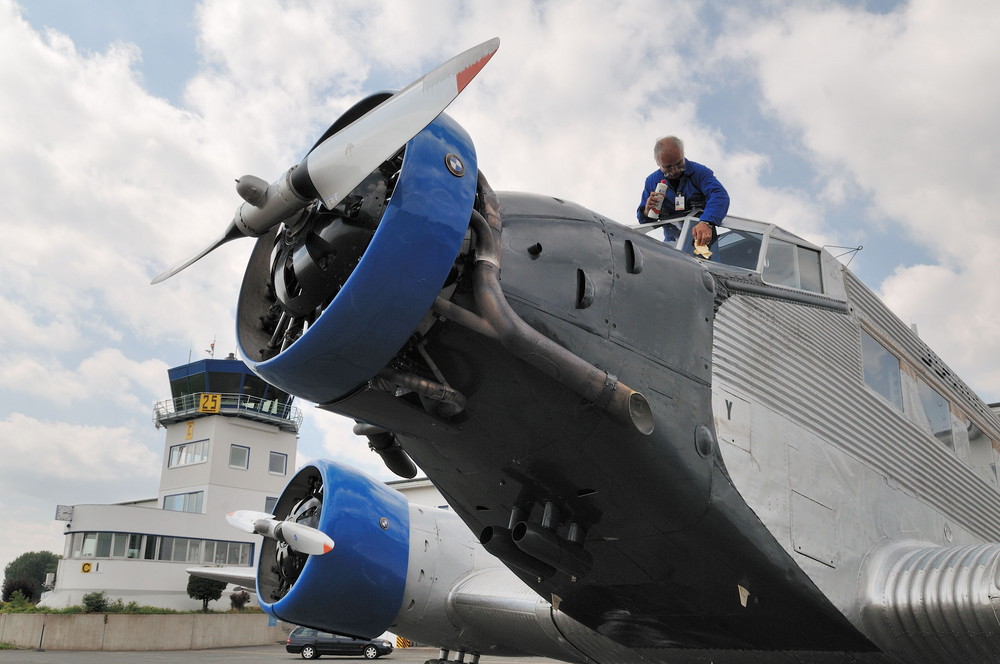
(239, 456)
(187, 454)
(278, 463)
(185, 502)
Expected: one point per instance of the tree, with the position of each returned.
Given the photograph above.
(23, 586)
(32, 567)
(204, 589)
(239, 600)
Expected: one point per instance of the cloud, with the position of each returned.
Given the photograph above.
(39, 451)
(107, 376)
(888, 101)
(31, 535)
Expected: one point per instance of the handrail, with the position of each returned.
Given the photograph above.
(195, 405)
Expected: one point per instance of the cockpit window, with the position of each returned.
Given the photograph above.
(788, 261)
(788, 264)
(739, 248)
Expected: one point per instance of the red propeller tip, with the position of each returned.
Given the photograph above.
(464, 77)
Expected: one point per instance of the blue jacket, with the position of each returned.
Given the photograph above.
(700, 188)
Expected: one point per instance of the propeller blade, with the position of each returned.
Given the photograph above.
(339, 164)
(297, 536)
(231, 233)
(300, 538)
(244, 519)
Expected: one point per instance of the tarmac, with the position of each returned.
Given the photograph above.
(245, 655)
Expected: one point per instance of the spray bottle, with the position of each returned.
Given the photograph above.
(654, 211)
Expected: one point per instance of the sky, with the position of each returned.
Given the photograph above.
(124, 123)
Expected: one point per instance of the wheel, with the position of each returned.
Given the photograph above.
(309, 652)
(371, 652)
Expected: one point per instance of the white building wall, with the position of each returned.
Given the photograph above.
(221, 433)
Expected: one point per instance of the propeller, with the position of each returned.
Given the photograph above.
(337, 165)
(298, 537)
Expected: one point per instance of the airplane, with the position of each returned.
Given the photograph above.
(668, 458)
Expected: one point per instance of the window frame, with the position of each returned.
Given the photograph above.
(270, 463)
(187, 498)
(246, 463)
(178, 456)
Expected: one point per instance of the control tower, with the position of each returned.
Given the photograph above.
(229, 439)
(230, 443)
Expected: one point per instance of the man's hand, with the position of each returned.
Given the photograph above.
(702, 233)
(654, 202)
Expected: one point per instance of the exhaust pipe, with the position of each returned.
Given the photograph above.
(625, 405)
(498, 541)
(545, 545)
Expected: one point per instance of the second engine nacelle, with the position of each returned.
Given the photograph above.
(357, 588)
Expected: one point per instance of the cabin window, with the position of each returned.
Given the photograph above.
(931, 411)
(788, 264)
(881, 370)
(981, 454)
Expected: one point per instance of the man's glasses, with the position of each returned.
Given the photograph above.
(679, 166)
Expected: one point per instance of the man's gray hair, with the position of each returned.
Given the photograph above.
(667, 140)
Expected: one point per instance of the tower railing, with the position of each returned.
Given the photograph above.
(204, 404)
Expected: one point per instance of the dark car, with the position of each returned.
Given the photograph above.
(312, 643)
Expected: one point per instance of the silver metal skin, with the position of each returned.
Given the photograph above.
(460, 598)
(899, 530)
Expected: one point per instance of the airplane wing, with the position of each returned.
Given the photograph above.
(240, 576)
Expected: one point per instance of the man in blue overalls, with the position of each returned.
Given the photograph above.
(689, 185)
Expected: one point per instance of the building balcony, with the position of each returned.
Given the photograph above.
(205, 404)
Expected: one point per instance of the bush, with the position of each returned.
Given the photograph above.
(239, 600)
(18, 603)
(26, 587)
(96, 602)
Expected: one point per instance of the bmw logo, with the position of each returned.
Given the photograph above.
(454, 164)
(383, 523)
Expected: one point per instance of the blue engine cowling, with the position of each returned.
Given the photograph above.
(356, 588)
(372, 295)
